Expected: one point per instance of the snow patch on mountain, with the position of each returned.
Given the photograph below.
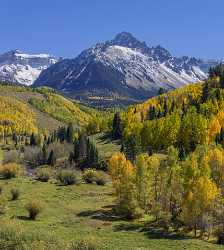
(21, 68)
(123, 67)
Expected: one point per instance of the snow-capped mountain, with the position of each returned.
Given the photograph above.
(123, 68)
(17, 67)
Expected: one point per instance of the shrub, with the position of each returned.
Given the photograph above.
(101, 178)
(33, 155)
(84, 245)
(67, 177)
(12, 156)
(89, 175)
(43, 174)
(34, 207)
(10, 170)
(220, 235)
(2, 205)
(14, 194)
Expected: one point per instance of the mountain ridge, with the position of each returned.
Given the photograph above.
(21, 68)
(123, 68)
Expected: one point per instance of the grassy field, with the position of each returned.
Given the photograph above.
(75, 212)
(105, 145)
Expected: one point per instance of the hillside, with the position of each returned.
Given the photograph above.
(40, 109)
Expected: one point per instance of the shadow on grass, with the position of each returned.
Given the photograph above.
(101, 214)
(152, 230)
(22, 217)
(106, 138)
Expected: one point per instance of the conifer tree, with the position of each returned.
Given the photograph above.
(152, 113)
(92, 153)
(51, 159)
(117, 127)
(205, 92)
(33, 140)
(82, 147)
(44, 154)
(69, 133)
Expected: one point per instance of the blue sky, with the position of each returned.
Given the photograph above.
(66, 27)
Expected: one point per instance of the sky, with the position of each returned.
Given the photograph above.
(66, 27)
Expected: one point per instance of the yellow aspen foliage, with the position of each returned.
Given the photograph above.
(198, 201)
(15, 116)
(216, 163)
(123, 176)
(220, 117)
(213, 129)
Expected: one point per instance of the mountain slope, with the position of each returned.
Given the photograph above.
(123, 68)
(17, 67)
(39, 109)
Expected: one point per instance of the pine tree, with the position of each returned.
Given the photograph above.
(71, 158)
(117, 127)
(165, 107)
(82, 147)
(33, 140)
(152, 113)
(61, 134)
(92, 156)
(44, 154)
(205, 92)
(51, 159)
(131, 148)
(69, 133)
(76, 151)
(222, 81)
(15, 138)
(182, 154)
(161, 91)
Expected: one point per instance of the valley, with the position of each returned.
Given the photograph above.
(76, 177)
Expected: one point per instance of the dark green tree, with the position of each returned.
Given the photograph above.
(92, 156)
(70, 133)
(51, 159)
(33, 140)
(44, 154)
(117, 127)
(132, 148)
(15, 138)
(205, 92)
(82, 147)
(152, 113)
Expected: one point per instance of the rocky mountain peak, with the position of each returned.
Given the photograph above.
(126, 39)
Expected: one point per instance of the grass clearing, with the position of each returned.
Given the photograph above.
(76, 212)
(105, 145)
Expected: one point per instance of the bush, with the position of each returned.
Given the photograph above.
(220, 236)
(84, 245)
(2, 206)
(33, 155)
(101, 178)
(12, 156)
(34, 207)
(10, 170)
(67, 177)
(89, 175)
(43, 174)
(14, 194)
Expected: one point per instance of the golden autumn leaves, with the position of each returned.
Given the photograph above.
(167, 188)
